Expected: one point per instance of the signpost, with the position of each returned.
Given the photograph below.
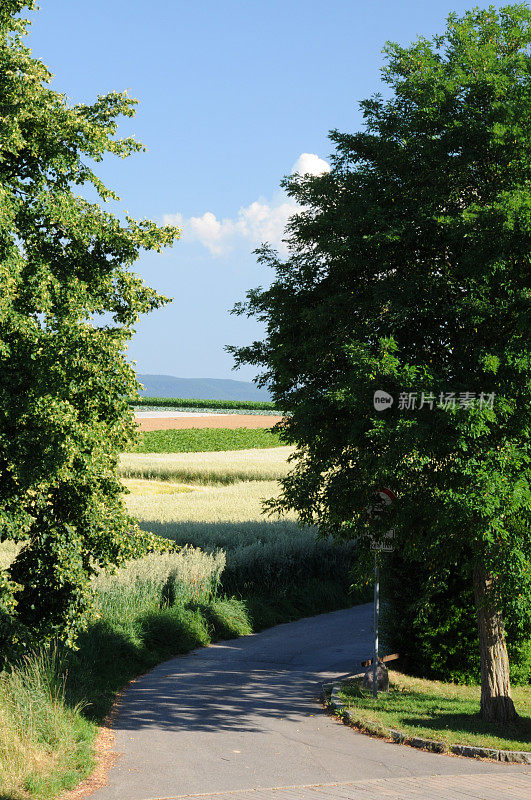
(383, 501)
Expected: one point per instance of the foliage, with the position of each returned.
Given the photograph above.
(431, 621)
(202, 440)
(441, 712)
(181, 404)
(68, 307)
(408, 272)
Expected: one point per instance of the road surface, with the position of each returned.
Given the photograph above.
(241, 720)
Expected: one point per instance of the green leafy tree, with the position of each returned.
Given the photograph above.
(68, 306)
(408, 272)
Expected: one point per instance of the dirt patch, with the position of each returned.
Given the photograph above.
(213, 421)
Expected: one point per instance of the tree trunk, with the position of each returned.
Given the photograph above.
(496, 702)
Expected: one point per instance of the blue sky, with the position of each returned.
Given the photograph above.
(231, 93)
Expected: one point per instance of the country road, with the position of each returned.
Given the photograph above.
(240, 720)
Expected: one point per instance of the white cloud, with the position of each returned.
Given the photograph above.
(310, 164)
(258, 222)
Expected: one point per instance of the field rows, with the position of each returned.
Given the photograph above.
(210, 467)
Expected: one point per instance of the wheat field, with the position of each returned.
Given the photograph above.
(226, 466)
(237, 502)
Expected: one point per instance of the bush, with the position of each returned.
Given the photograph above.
(431, 621)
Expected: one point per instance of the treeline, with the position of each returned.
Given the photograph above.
(179, 402)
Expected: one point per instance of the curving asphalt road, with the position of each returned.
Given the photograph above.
(241, 720)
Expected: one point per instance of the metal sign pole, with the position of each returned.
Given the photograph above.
(376, 615)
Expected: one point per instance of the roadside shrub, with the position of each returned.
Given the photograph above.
(173, 630)
(226, 618)
(430, 619)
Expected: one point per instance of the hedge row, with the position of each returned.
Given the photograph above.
(177, 402)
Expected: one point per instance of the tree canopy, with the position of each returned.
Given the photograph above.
(409, 273)
(68, 307)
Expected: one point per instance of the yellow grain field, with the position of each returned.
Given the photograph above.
(227, 466)
(238, 502)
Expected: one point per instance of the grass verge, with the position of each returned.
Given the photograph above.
(444, 712)
(46, 744)
(202, 440)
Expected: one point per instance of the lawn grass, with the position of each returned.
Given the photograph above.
(197, 440)
(225, 467)
(444, 712)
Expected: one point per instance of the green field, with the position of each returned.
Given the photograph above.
(180, 403)
(202, 440)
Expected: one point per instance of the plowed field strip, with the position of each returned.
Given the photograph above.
(213, 421)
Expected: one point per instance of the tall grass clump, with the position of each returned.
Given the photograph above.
(265, 556)
(45, 744)
(189, 575)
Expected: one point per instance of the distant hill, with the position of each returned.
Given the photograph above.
(201, 388)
